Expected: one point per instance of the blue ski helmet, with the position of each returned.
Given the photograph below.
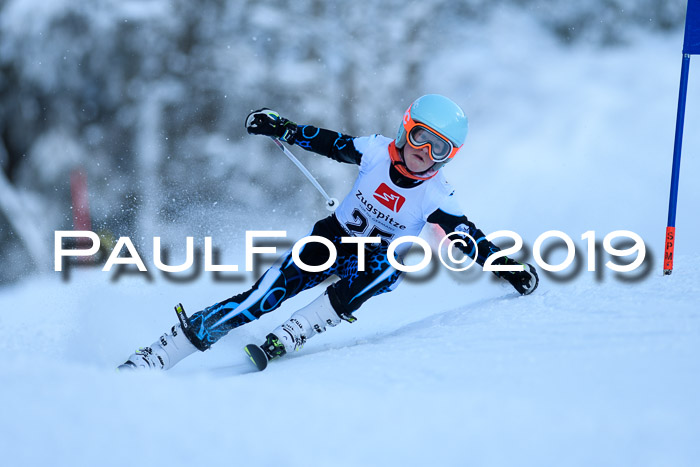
(435, 121)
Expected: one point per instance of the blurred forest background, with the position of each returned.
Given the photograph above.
(148, 99)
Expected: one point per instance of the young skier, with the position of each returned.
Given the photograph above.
(400, 188)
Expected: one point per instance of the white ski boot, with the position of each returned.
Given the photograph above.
(306, 323)
(162, 354)
(293, 333)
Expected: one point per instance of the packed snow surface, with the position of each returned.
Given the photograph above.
(591, 370)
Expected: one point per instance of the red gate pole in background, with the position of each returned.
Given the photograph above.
(80, 204)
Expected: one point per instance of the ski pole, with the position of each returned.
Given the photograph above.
(331, 203)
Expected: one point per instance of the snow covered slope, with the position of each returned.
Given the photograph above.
(445, 372)
(578, 374)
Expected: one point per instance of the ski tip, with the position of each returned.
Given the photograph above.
(257, 356)
(126, 366)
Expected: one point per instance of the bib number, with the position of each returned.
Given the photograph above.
(360, 226)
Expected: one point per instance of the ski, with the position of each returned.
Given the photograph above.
(257, 356)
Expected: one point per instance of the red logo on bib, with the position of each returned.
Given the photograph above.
(389, 197)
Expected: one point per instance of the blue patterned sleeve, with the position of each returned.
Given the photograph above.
(332, 144)
(460, 224)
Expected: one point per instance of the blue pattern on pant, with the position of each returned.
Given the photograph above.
(285, 279)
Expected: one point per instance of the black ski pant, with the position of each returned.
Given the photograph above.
(285, 279)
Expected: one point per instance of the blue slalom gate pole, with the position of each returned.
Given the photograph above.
(691, 45)
(676, 170)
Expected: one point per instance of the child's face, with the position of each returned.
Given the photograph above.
(417, 160)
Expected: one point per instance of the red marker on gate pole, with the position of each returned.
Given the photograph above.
(691, 45)
(668, 252)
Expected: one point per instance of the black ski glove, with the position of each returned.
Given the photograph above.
(269, 123)
(525, 281)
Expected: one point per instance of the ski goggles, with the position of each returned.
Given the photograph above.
(420, 135)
